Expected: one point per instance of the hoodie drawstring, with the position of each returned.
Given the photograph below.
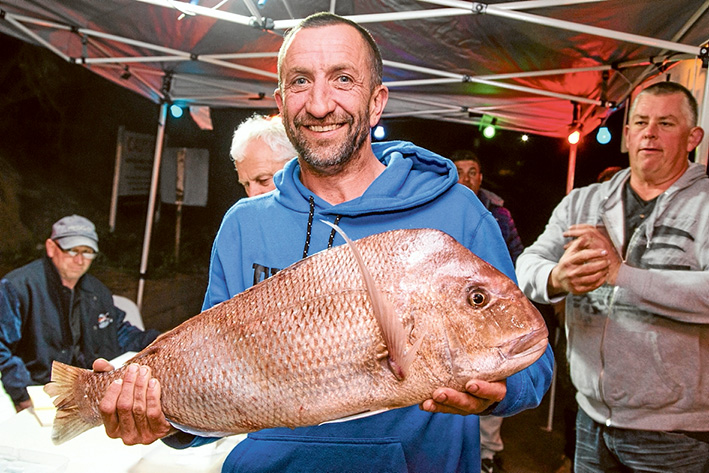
(311, 215)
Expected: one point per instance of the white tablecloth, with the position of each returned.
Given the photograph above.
(93, 452)
(26, 447)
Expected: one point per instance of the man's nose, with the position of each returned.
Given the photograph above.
(650, 130)
(321, 101)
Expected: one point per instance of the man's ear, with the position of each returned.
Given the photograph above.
(51, 247)
(279, 100)
(695, 137)
(377, 102)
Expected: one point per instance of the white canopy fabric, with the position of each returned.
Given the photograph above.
(524, 63)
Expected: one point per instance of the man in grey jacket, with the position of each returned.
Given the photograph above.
(631, 256)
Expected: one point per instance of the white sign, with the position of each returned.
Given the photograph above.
(136, 163)
(184, 176)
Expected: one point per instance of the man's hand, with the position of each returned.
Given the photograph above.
(479, 396)
(21, 406)
(590, 260)
(131, 408)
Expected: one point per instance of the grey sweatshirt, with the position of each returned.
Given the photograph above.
(639, 350)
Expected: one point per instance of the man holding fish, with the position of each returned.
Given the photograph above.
(631, 257)
(330, 94)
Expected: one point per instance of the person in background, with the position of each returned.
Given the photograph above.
(330, 94)
(470, 175)
(50, 309)
(607, 173)
(631, 257)
(259, 149)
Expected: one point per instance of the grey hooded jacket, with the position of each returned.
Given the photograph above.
(639, 350)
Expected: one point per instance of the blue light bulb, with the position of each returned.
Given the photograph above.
(604, 135)
(176, 111)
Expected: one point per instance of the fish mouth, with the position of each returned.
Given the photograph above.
(526, 345)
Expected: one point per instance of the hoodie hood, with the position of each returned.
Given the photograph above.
(412, 177)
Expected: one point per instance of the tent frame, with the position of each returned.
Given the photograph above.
(672, 51)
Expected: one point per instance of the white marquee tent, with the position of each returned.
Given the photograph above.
(537, 66)
(525, 63)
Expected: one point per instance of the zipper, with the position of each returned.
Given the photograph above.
(611, 308)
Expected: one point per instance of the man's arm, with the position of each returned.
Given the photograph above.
(678, 295)
(559, 262)
(509, 232)
(15, 375)
(130, 337)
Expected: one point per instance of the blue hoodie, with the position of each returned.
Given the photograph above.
(264, 234)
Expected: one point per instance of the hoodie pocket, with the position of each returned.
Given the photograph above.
(644, 363)
(266, 453)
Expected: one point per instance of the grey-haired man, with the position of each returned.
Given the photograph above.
(50, 309)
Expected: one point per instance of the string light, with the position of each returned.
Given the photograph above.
(487, 125)
(604, 135)
(176, 111)
(574, 137)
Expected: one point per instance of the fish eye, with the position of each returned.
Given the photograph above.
(477, 298)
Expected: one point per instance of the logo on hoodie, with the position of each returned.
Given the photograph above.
(104, 320)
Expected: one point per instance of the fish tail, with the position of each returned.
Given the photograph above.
(68, 422)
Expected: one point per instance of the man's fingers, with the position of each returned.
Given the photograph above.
(479, 396)
(449, 401)
(159, 426)
(493, 391)
(124, 405)
(107, 408)
(101, 365)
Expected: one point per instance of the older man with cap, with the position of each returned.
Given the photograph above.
(50, 309)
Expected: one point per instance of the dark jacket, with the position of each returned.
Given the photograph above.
(34, 332)
(494, 204)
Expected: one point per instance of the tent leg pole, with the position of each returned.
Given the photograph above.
(151, 202)
(572, 168)
(702, 153)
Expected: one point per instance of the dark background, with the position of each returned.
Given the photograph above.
(58, 131)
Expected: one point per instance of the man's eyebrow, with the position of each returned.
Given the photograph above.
(334, 68)
(662, 117)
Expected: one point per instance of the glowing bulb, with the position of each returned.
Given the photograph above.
(176, 111)
(379, 132)
(525, 138)
(574, 137)
(604, 135)
(489, 131)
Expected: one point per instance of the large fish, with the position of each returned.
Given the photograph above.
(372, 325)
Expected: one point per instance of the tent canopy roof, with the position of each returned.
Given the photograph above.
(525, 63)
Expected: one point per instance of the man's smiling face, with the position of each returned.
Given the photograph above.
(325, 95)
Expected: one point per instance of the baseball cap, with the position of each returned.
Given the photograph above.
(73, 231)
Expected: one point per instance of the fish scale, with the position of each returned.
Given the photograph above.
(317, 342)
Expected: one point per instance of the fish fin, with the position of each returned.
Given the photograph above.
(200, 433)
(393, 330)
(68, 422)
(360, 415)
